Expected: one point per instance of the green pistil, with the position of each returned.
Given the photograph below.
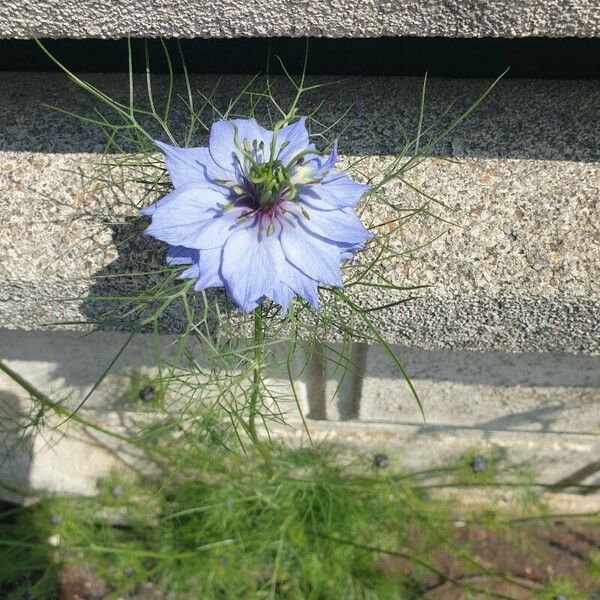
(272, 180)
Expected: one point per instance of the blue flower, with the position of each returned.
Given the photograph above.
(260, 213)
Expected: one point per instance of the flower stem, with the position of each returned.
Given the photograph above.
(259, 335)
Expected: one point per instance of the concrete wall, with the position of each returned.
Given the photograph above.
(520, 271)
(540, 411)
(503, 347)
(334, 18)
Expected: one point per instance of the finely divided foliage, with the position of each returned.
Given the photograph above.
(261, 213)
(264, 213)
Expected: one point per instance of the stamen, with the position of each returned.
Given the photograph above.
(245, 217)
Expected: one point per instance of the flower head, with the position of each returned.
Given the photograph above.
(258, 212)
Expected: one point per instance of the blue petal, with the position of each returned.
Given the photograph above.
(282, 295)
(300, 283)
(192, 216)
(191, 165)
(327, 165)
(332, 225)
(316, 167)
(221, 142)
(191, 273)
(205, 268)
(179, 255)
(296, 136)
(346, 191)
(347, 251)
(250, 266)
(209, 263)
(336, 190)
(316, 258)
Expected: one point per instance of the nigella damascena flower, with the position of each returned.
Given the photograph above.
(260, 213)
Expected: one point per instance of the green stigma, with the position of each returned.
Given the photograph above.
(271, 181)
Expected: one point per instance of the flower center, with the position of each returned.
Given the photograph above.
(269, 183)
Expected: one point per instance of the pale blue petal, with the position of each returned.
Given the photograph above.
(179, 255)
(282, 294)
(300, 283)
(348, 251)
(191, 273)
(193, 217)
(324, 166)
(296, 137)
(221, 142)
(191, 165)
(209, 264)
(183, 192)
(251, 262)
(316, 258)
(337, 226)
(337, 190)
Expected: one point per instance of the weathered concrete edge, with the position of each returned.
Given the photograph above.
(343, 18)
(436, 320)
(521, 274)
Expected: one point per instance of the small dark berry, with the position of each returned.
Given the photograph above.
(478, 464)
(128, 571)
(381, 461)
(118, 491)
(56, 519)
(147, 393)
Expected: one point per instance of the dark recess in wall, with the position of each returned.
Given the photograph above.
(555, 58)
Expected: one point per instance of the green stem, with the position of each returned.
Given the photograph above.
(259, 335)
(60, 410)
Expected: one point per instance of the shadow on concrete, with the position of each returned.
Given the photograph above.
(522, 119)
(17, 434)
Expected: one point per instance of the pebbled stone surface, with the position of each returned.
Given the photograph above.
(333, 18)
(519, 271)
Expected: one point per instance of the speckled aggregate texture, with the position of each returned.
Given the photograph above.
(296, 18)
(519, 272)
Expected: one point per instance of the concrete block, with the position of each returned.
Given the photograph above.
(339, 18)
(540, 411)
(519, 272)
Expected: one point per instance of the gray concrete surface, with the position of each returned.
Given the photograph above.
(519, 272)
(335, 18)
(540, 411)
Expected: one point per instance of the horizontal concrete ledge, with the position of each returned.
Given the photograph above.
(520, 272)
(538, 410)
(340, 18)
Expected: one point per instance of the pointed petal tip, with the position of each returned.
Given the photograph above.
(163, 147)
